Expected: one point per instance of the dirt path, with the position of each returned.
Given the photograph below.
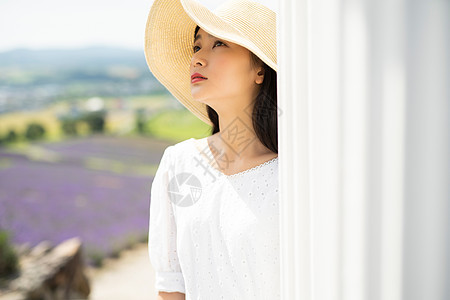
(130, 277)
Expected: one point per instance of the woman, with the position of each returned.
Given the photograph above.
(213, 230)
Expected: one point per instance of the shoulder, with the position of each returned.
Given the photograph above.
(182, 146)
(177, 150)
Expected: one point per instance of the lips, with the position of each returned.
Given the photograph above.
(197, 77)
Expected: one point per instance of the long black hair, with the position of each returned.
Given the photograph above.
(265, 112)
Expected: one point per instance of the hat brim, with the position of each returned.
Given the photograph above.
(168, 39)
(169, 36)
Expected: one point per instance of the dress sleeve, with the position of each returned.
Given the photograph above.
(162, 238)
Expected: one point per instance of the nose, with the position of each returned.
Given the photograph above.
(198, 60)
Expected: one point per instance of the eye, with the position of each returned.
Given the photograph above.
(215, 43)
(219, 43)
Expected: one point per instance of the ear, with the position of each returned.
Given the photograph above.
(259, 75)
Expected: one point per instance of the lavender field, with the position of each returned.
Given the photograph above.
(96, 188)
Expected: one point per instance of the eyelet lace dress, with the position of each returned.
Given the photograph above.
(214, 236)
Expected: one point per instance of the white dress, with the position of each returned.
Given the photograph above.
(211, 235)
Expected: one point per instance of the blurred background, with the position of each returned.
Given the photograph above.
(83, 125)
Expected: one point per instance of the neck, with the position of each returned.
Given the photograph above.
(237, 139)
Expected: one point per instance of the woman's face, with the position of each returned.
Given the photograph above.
(231, 80)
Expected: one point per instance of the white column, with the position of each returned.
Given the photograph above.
(294, 181)
(325, 145)
(364, 95)
(427, 134)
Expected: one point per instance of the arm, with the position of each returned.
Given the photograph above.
(162, 239)
(170, 296)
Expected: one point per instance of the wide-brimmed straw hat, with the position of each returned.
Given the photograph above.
(169, 38)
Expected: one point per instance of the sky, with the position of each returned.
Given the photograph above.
(45, 24)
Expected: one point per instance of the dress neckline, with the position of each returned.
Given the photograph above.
(205, 145)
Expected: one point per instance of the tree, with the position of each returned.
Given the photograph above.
(11, 136)
(69, 126)
(8, 258)
(140, 120)
(34, 131)
(95, 120)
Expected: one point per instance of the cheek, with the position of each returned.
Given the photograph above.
(231, 71)
(222, 67)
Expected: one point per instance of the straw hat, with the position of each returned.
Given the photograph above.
(169, 38)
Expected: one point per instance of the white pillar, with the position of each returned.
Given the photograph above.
(427, 209)
(364, 95)
(294, 182)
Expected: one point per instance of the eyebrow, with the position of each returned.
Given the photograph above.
(199, 36)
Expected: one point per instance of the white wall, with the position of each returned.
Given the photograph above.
(364, 149)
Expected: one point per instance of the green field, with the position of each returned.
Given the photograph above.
(177, 125)
(163, 123)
